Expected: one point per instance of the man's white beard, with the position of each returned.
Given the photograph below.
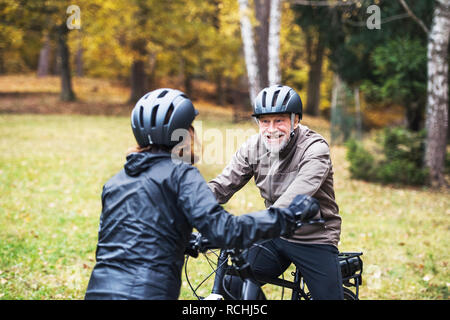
(275, 148)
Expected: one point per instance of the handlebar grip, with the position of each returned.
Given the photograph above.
(198, 244)
(192, 252)
(192, 247)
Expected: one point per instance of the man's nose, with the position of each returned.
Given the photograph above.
(272, 126)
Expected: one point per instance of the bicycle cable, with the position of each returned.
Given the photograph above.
(224, 287)
(187, 278)
(259, 245)
(210, 262)
(206, 278)
(245, 251)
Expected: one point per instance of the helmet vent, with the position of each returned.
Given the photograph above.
(275, 96)
(169, 114)
(286, 99)
(154, 111)
(162, 94)
(264, 99)
(141, 116)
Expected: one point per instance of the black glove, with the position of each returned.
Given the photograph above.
(192, 247)
(304, 208)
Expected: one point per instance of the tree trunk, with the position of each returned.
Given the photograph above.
(79, 57)
(2, 61)
(188, 88)
(220, 97)
(314, 76)
(335, 100)
(56, 60)
(414, 116)
(151, 77)
(437, 104)
(262, 12)
(249, 50)
(67, 93)
(138, 80)
(185, 75)
(274, 73)
(44, 58)
(358, 114)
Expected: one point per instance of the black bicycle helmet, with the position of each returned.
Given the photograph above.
(277, 99)
(158, 114)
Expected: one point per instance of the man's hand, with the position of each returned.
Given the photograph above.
(304, 207)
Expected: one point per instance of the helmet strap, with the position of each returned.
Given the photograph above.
(292, 124)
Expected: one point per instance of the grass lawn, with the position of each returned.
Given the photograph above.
(52, 168)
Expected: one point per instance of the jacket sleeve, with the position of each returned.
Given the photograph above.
(222, 228)
(235, 175)
(313, 170)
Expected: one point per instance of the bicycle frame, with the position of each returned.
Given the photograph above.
(350, 262)
(251, 288)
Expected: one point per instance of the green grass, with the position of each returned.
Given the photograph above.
(52, 169)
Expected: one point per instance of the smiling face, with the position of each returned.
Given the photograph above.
(275, 130)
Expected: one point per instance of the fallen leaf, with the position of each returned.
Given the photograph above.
(427, 278)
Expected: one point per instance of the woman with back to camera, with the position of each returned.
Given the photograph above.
(150, 207)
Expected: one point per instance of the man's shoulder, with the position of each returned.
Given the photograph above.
(313, 142)
(319, 147)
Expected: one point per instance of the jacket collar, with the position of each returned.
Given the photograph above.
(292, 143)
(138, 162)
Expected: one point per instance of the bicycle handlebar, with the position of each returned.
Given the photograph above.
(200, 244)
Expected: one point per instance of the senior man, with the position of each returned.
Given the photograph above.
(287, 159)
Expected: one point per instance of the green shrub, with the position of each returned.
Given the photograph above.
(401, 161)
(402, 144)
(401, 171)
(362, 163)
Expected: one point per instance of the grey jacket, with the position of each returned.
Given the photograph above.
(303, 167)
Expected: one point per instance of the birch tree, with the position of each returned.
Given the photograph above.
(261, 38)
(44, 58)
(437, 105)
(262, 61)
(274, 73)
(249, 49)
(436, 116)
